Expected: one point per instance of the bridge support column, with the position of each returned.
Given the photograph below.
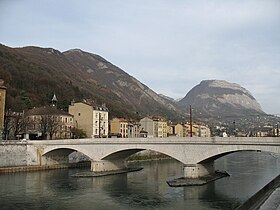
(108, 165)
(198, 170)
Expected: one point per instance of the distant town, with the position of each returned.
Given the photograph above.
(86, 119)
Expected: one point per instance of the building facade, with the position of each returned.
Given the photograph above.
(204, 131)
(162, 128)
(198, 130)
(170, 130)
(180, 130)
(91, 118)
(47, 123)
(133, 130)
(119, 127)
(150, 126)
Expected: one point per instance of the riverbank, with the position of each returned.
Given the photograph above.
(16, 169)
(183, 182)
(262, 196)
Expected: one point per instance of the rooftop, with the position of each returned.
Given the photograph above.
(46, 110)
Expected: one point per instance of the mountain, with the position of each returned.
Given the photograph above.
(221, 99)
(167, 98)
(33, 74)
(218, 102)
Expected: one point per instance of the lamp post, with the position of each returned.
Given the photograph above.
(234, 131)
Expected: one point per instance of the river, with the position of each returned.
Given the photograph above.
(145, 189)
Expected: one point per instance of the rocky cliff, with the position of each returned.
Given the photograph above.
(221, 99)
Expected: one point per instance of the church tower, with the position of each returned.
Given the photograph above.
(54, 100)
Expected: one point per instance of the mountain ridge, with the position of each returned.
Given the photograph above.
(36, 73)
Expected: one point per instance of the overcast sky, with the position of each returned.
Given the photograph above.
(169, 45)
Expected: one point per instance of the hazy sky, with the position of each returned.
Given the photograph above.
(169, 45)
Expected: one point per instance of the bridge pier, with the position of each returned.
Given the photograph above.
(108, 165)
(198, 170)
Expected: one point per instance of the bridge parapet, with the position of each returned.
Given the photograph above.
(169, 140)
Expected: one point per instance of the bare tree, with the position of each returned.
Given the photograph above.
(17, 125)
(7, 124)
(49, 125)
(53, 125)
(43, 126)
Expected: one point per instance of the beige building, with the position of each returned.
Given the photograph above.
(119, 127)
(149, 125)
(2, 103)
(204, 131)
(133, 130)
(198, 130)
(162, 128)
(91, 118)
(48, 123)
(180, 130)
(155, 126)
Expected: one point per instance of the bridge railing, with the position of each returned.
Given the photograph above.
(170, 140)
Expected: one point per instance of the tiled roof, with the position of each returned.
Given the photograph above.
(46, 110)
(94, 106)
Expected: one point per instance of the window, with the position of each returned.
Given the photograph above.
(79, 114)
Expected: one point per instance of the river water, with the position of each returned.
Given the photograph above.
(145, 189)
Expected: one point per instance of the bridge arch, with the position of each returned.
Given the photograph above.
(65, 150)
(218, 152)
(125, 152)
(60, 155)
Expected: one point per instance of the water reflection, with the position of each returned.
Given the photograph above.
(146, 189)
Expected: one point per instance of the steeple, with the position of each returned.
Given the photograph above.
(54, 100)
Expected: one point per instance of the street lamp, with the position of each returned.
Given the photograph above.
(234, 130)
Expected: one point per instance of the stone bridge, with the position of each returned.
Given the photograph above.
(197, 154)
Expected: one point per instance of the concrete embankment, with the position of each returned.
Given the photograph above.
(43, 168)
(256, 201)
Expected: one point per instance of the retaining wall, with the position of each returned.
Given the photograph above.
(13, 154)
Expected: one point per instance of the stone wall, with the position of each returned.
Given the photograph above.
(13, 154)
(17, 153)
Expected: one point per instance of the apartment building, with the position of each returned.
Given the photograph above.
(180, 130)
(91, 118)
(119, 127)
(47, 122)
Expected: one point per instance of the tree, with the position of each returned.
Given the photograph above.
(17, 125)
(53, 125)
(49, 125)
(7, 124)
(78, 133)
